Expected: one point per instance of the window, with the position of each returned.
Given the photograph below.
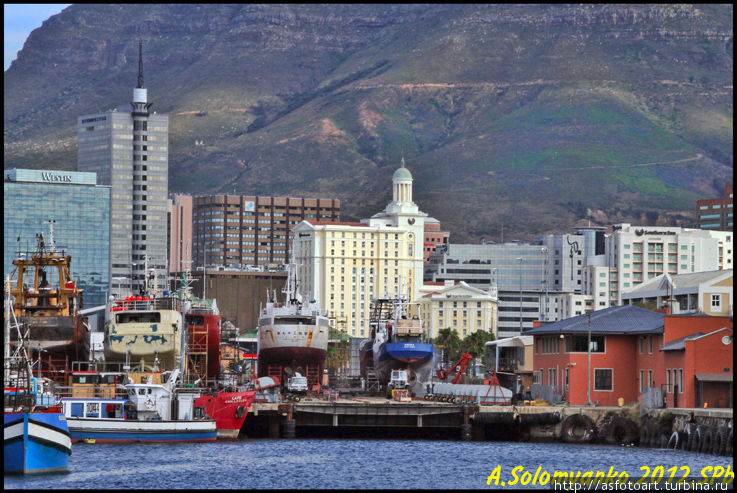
(537, 377)
(716, 302)
(667, 381)
(551, 376)
(650, 378)
(578, 344)
(680, 380)
(650, 345)
(603, 379)
(566, 379)
(642, 381)
(549, 345)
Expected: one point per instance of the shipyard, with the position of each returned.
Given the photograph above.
(369, 246)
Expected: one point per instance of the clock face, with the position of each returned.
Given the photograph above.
(411, 220)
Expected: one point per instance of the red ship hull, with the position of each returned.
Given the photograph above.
(228, 409)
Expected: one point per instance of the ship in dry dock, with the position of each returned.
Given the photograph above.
(47, 301)
(292, 336)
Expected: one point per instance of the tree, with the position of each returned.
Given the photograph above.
(337, 355)
(475, 343)
(451, 343)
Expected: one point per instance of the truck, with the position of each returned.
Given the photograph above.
(296, 387)
(399, 380)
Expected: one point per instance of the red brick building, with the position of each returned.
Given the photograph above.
(631, 349)
(433, 237)
(716, 213)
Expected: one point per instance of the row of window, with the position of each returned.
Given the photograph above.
(603, 378)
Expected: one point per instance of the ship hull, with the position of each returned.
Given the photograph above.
(36, 443)
(414, 356)
(294, 346)
(145, 340)
(60, 337)
(228, 409)
(127, 431)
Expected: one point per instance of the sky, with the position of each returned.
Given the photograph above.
(20, 20)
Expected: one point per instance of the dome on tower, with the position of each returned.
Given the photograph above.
(402, 173)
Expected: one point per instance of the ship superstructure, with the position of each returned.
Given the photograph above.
(397, 342)
(47, 301)
(292, 335)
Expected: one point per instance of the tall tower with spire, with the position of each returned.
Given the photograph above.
(128, 148)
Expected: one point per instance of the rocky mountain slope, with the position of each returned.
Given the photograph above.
(531, 116)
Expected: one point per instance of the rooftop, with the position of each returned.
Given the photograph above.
(680, 282)
(627, 319)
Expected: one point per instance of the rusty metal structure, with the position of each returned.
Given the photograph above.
(47, 301)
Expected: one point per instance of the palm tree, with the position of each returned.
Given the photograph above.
(448, 339)
(475, 343)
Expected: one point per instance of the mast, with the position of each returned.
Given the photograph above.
(8, 314)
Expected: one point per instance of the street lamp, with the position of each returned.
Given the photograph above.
(520, 260)
(588, 389)
(545, 282)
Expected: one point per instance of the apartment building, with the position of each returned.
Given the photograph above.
(240, 230)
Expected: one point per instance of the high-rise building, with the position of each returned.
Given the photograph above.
(344, 265)
(635, 254)
(240, 230)
(129, 151)
(180, 233)
(716, 213)
(80, 210)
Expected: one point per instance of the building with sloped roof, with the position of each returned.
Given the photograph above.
(705, 292)
(635, 354)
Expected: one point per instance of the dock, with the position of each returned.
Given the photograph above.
(378, 417)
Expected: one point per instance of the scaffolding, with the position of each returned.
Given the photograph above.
(197, 345)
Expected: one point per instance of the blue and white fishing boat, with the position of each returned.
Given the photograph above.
(36, 436)
(397, 342)
(148, 412)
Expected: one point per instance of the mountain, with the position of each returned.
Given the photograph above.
(531, 116)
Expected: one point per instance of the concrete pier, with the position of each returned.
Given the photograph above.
(382, 417)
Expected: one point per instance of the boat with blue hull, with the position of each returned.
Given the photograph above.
(36, 435)
(397, 342)
(36, 442)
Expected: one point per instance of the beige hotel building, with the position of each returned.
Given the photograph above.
(344, 265)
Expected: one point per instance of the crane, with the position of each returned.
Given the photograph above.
(463, 361)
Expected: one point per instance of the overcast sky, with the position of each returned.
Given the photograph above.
(20, 20)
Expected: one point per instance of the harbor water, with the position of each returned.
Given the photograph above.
(352, 464)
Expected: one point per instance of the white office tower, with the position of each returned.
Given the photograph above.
(129, 151)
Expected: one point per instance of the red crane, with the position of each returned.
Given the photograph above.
(443, 374)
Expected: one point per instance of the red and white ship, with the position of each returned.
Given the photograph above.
(292, 336)
(228, 409)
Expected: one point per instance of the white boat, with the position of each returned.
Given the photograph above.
(151, 412)
(292, 336)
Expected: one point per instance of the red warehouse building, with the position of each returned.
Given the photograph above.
(698, 361)
(627, 361)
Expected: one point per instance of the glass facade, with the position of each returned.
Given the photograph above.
(82, 227)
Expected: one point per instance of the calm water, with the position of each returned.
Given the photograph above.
(315, 463)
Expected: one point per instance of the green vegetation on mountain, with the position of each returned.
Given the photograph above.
(530, 116)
